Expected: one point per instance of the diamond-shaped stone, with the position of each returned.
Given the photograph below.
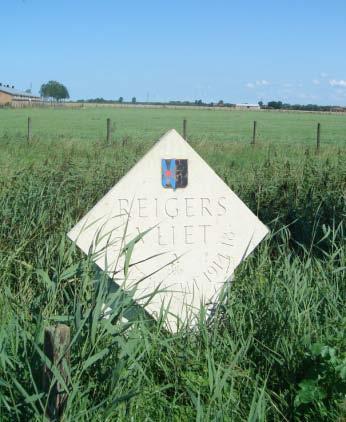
(200, 230)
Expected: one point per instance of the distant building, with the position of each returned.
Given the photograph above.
(10, 95)
(247, 106)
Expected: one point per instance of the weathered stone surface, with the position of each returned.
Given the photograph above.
(200, 231)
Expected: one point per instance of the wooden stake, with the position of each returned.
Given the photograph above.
(56, 348)
(108, 130)
(318, 140)
(29, 135)
(185, 129)
(254, 133)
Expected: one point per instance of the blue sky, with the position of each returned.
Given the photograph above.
(238, 51)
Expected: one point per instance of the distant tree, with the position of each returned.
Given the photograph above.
(299, 107)
(54, 89)
(28, 91)
(121, 99)
(260, 103)
(275, 104)
(134, 100)
(220, 103)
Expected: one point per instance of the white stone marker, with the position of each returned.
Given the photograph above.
(200, 230)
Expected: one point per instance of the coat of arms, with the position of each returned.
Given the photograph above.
(174, 173)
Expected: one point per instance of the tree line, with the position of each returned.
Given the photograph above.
(279, 105)
(57, 91)
(102, 100)
(271, 105)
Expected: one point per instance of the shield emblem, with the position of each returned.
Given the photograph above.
(174, 173)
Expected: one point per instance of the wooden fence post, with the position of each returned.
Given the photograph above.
(185, 129)
(56, 348)
(125, 140)
(318, 140)
(254, 133)
(29, 135)
(108, 130)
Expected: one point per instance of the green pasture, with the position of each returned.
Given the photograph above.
(89, 124)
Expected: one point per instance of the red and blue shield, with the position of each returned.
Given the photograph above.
(174, 173)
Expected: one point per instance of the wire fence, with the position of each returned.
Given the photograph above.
(111, 124)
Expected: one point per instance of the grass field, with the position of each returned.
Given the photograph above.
(148, 124)
(276, 348)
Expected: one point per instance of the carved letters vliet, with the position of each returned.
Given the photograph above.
(199, 229)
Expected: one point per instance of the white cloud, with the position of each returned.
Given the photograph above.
(341, 83)
(262, 82)
(316, 81)
(258, 83)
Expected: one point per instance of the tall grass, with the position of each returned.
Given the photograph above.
(275, 348)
